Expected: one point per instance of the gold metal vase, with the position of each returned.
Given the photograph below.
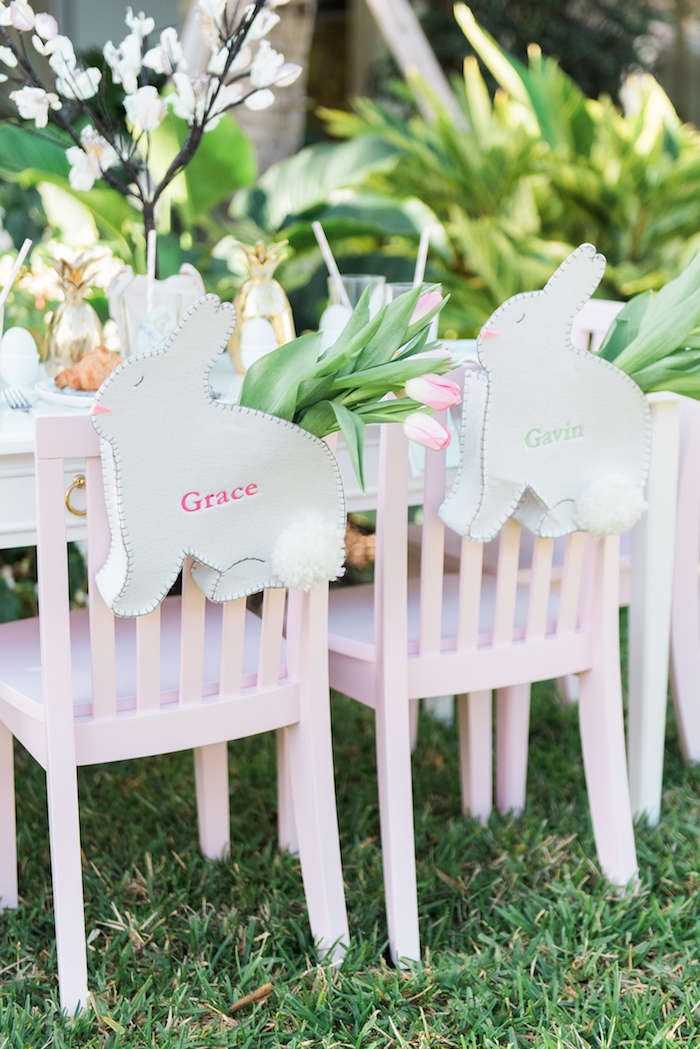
(75, 328)
(261, 296)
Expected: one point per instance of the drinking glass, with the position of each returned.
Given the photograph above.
(355, 284)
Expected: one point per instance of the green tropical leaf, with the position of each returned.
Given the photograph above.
(304, 181)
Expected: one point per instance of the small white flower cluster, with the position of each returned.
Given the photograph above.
(234, 75)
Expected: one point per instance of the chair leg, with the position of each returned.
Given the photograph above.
(311, 773)
(397, 834)
(8, 829)
(512, 737)
(286, 824)
(67, 879)
(413, 718)
(475, 719)
(602, 727)
(568, 689)
(213, 815)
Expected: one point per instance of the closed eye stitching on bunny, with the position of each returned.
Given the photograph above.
(140, 381)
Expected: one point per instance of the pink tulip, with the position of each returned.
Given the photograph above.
(425, 304)
(433, 390)
(425, 430)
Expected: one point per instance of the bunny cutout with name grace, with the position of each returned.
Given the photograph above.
(255, 500)
(552, 435)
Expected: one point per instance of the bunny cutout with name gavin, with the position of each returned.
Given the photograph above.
(255, 500)
(552, 435)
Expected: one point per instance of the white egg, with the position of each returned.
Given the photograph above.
(19, 359)
(18, 342)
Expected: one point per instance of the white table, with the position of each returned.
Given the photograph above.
(651, 572)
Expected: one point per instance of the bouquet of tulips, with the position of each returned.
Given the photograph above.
(347, 386)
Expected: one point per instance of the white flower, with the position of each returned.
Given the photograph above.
(88, 163)
(60, 53)
(79, 83)
(167, 57)
(4, 15)
(209, 14)
(46, 26)
(265, 65)
(263, 22)
(139, 25)
(259, 100)
(288, 73)
(125, 62)
(3, 78)
(81, 175)
(213, 7)
(21, 16)
(229, 95)
(33, 103)
(187, 102)
(8, 57)
(145, 108)
(217, 62)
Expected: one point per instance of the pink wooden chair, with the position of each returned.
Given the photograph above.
(685, 620)
(468, 633)
(82, 687)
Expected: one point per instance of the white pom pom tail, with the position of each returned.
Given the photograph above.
(609, 505)
(309, 553)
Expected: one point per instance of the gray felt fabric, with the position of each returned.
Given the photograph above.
(185, 474)
(545, 420)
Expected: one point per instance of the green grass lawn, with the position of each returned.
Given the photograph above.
(524, 944)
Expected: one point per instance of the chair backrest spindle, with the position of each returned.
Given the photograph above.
(432, 553)
(232, 637)
(271, 637)
(506, 583)
(569, 597)
(102, 646)
(470, 572)
(191, 639)
(148, 661)
(540, 585)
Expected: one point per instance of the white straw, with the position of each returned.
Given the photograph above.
(150, 269)
(422, 258)
(330, 262)
(7, 288)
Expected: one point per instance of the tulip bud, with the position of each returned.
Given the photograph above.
(434, 390)
(425, 304)
(425, 430)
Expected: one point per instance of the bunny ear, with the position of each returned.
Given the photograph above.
(577, 277)
(203, 333)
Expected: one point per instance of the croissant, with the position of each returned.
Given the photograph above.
(90, 371)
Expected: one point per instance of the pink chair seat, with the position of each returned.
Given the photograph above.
(351, 613)
(20, 657)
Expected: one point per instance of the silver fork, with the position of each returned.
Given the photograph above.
(17, 399)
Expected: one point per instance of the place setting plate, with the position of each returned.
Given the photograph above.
(66, 397)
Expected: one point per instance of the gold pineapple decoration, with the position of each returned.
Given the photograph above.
(261, 298)
(75, 328)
